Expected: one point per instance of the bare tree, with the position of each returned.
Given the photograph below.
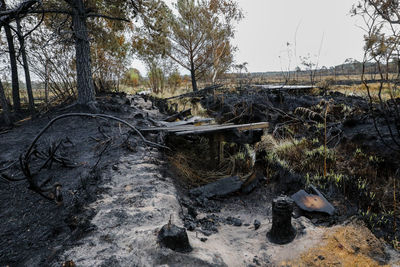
(382, 39)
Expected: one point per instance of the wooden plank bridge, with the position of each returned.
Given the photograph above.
(216, 133)
(208, 128)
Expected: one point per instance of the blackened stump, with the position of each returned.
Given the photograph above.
(175, 238)
(282, 231)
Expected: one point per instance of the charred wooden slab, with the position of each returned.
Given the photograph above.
(202, 129)
(219, 188)
(313, 203)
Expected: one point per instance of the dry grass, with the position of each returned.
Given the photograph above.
(388, 90)
(193, 172)
(352, 245)
(195, 166)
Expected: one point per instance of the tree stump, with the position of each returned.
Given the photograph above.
(282, 231)
(175, 238)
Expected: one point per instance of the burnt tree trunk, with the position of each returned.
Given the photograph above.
(85, 85)
(4, 105)
(26, 69)
(46, 83)
(282, 231)
(13, 63)
(193, 75)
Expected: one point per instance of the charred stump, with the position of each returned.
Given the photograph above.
(175, 238)
(282, 231)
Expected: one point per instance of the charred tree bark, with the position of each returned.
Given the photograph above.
(46, 83)
(86, 92)
(4, 105)
(14, 70)
(193, 75)
(282, 231)
(26, 68)
(13, 63)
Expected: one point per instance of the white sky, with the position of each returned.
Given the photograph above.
(268, 25)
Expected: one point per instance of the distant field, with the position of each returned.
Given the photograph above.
(349, 84)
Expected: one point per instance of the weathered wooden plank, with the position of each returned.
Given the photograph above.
(164, 125)
(176, 128)
(219, 188)
(241, 127)
(286, 87)
(193, 129)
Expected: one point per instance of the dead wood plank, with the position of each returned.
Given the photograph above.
(219, 188)
(286, 87)
(180, 128)
(242, 127)
(313, 203)
(192, 129)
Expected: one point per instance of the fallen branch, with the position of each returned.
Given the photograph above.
(29, 151)
(25, 159)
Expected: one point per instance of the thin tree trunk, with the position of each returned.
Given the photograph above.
(85, 84)
(193, 75)
(26, 69)
(4, 105)
(46, 83)
(13, 63)
(14, 70)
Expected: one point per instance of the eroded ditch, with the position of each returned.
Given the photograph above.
(359, 178)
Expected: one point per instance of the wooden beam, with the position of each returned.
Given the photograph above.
(216, 128)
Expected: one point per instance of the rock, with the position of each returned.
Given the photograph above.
(175, 238)
(257, 224)
(234, 221)
(219, 188)
(209, 223)
(203, 239)
(115, 167)
(256, 261)
(206, 232)
(191, 226)
(192, 212)
(282, 231)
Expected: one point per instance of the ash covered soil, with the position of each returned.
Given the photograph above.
(111, 214)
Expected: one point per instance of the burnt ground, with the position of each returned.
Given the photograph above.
(34, 230)
(361, 154)
(112, 213)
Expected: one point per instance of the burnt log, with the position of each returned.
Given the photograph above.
(219, 188)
